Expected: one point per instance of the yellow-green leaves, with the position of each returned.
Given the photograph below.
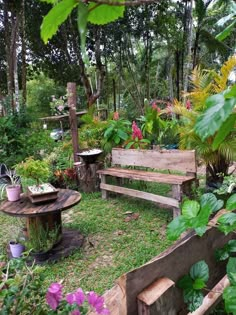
(55, 17)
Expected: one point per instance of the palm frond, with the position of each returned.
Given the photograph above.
(222, 79)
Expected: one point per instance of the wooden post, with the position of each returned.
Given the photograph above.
(71, 91)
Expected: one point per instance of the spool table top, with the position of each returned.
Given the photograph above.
(24, 208)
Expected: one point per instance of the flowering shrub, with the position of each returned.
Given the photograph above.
(74, 303)
(136, 141)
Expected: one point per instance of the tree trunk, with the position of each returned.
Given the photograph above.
(23, 51)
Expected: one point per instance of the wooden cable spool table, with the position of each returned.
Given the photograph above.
(48, 215)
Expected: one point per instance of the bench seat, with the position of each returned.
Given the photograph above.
(147, 176)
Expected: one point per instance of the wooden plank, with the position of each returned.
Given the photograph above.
(212, 298)
(140, 194)
(147, 176)
(103, 182)
(174, 263)
(177, 160)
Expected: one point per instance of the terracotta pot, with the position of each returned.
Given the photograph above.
(16, 249)
(13, 192)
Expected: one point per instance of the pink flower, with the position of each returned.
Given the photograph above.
(154, 106)
(97, 302)
(137, 133)
(77, 297)
(54, 295)
(116, 116)
(188, 104)
(169, 108)
(75, 312)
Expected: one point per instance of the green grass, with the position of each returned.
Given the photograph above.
(111, 247)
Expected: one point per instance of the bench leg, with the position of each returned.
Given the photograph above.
(176, 194)
(104, 192)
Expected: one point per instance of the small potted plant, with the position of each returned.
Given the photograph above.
(17, 247)
(11, 184)
(39, 171)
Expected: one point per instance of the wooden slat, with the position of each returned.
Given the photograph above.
(150, 294)
(140, 194)
(147, 176)
(212, 298)
(177, 160)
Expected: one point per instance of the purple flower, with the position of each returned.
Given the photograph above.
(54, 295)
(75, 312)
(77, 297)
(97, 302)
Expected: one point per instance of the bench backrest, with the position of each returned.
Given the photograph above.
(175, 160)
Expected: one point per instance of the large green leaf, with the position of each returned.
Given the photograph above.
(199, 284)
(226, 32)
(200, 270)
(209, 200)
(102, 13)
(229, 295)
(190, 209)
(49, 1)
(227, 223)
(231, 203)
(231, 270)
(224, 130)
(224, 252)
(176, 227)
(55, 17)
(219, 109)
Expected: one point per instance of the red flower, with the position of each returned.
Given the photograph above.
(137, 133)
(188, 105)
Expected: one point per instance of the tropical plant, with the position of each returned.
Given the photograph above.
(137, 141)
(205, 85)
(116, 134)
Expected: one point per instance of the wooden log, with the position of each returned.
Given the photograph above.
(71, 90)
(88, 177)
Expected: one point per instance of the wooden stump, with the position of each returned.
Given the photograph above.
(88, 177)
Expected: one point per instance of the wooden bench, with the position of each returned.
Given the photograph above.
(171, 160)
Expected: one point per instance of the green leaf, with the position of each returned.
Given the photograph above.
(176, 227)
(82, 24)
(224, 130)
(231, 202)
(129, 145)
(231, 270)
(227, 223)
(222, 254)
(200, 270)
(117, 139)
(229, 295)
(190, 209)
(49, 1)
(185, 282)
(55, 17)
(123, 135)
(199, 284)
(193, 298)
(210, 203)
(226, 32)
(200, 230)
(219, 109)
(102, 13)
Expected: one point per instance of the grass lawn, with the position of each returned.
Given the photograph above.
(112, 246)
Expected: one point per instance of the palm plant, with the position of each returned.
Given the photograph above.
(206, 83)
